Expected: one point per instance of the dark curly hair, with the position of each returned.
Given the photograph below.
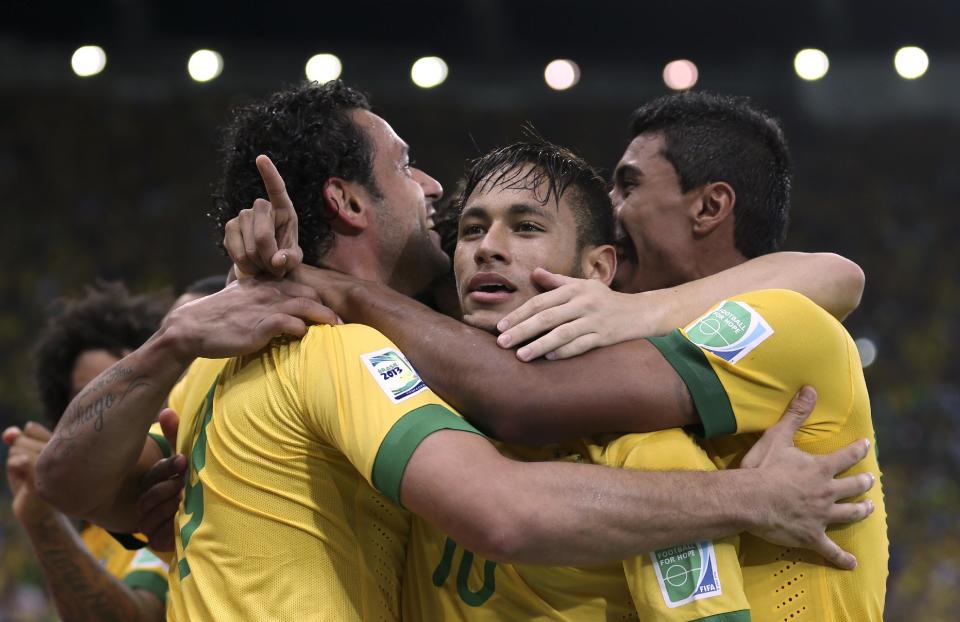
(107, 318)
(560, 169)
(712, 138)
(308, 133)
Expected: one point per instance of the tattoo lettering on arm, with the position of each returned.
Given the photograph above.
(81, 588)
(86, 411)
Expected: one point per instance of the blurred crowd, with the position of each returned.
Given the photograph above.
(99, 187)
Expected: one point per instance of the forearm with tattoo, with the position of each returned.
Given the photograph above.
(88, 468)
(82, 589)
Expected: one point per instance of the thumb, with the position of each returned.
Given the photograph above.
(548, 280)
(781, 433)
(797, 412)
(170, 423)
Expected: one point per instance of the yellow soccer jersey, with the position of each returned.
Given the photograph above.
(742, 362)
(700, 581)
(296, 456)
(141, 569)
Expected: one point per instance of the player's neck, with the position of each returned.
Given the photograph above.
(714, 259)
(354, 256)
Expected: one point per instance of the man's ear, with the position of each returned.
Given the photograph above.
(714, 207)
(599, 262)
(347, 204)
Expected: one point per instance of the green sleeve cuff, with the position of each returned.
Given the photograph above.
(733, 616)
(404, 438)
(709, 396)
(149, 582)
(162, 444)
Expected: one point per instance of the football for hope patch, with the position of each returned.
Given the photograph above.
(395, 375)
(731, 331)
(687, 573)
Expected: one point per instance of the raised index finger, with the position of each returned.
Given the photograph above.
(273, 182)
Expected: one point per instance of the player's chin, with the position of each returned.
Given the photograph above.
(484, 319)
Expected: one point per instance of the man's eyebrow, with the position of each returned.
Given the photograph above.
(623, 170)
(516, 209)
(522, 209)
(474, 211)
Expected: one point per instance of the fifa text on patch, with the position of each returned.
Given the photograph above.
(730, 331)
(395, 375)
(687, 573)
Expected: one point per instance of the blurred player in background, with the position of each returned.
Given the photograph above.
(90, 576)
(198, 289)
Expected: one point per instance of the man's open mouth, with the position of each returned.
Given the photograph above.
(490, 287)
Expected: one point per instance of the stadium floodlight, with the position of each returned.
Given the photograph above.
(911, 62)
(868, 351)
(680, 75)
(205, 65)
(323, 68)
(811, 64)
(561, 74)
(429, 71)
(88, 60)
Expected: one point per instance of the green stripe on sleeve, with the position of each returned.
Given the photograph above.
(709, 396)
(404, 438)
(733, 616)
(162, 443)
(148, 581)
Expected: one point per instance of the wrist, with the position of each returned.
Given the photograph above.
(30, 510)
(174, 342)
(654, 307)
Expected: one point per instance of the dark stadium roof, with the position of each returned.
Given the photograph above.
(497, 29)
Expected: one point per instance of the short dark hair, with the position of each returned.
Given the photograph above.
(561, 169)
(711, 138)
(105, 317)
(308, 133)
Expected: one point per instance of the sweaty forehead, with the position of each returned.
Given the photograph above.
(521, 183)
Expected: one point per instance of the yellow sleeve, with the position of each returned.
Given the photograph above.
(696, 581)
(362, 396)
(747, 357)
(149, 573)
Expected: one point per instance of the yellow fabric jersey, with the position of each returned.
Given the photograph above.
(141, 569)
(743, 361)
(296, 456)
(699, 581)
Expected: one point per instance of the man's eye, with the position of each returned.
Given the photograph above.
(527, 227)
(469, 230)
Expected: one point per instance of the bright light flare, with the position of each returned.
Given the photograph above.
(868, 351)
(680, 75)
(205, 65)
(88, 60)
(811, 64)
(323, 68)
(561, 74)
(911, 62)
(429, 71)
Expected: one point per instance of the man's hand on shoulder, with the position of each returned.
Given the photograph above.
(243, 318)
(804, 493)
